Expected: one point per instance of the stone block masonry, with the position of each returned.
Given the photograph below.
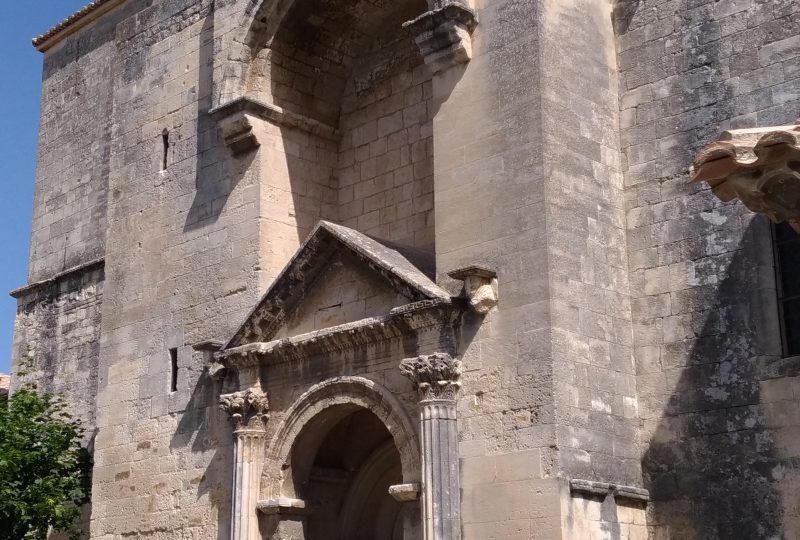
(702, 285)
(626, 376)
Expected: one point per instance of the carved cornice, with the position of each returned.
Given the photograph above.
(426, 315)
(69, 273)
(444, 35)
(247, 409)
(237, 119)
(436, 376)
(760, 167)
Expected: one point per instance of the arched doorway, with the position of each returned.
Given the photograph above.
(338, 449)
(342, 465)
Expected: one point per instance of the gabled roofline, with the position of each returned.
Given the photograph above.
(84, 16)
(308, 262)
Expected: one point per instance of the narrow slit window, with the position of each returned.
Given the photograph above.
(165, 155)
(786, 243)
(173, 358)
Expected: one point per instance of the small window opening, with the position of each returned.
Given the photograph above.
(786, 243)
(165, 141)
(173, 357)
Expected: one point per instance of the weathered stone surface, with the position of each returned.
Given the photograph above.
(192, 145)
(760, 167)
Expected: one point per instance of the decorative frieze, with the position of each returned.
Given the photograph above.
(437, 377)
(760, 167)
(444, 35)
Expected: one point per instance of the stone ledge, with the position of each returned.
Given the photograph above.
(79, 269)
(603, 489)
(283, 506)
(235, 120)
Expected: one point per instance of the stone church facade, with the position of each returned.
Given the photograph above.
(384, 269)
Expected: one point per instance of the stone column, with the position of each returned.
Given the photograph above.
(248, 412)
(436, 376)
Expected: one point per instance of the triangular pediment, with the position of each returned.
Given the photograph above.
(338, 276)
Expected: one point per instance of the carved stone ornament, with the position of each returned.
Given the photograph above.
(437, 376)
(480, 286)
(247, 409)
(760, 167)
(444, 35)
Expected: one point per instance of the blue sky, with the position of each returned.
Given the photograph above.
(20, 85)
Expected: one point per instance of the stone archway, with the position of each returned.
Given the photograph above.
(339, 448)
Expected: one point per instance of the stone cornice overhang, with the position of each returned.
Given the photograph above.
(234, 118)
(86, 15)
(760, 167)
(401, 321)
(66, 274)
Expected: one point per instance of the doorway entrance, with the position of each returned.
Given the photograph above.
(342, 465)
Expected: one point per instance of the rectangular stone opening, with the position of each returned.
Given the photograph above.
(173, 358)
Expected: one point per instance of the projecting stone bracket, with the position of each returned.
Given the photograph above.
(760, 167)
(405, 492)
(480, 286)
(444, 35)
(283, 506)
(238, 121)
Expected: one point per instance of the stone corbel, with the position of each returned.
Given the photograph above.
(237, 132)
(283, 506)
(239, 119)
(405, 492)
(480, 286)
(760, 167)
(444, 35)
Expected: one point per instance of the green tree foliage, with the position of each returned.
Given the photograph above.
(44, 472)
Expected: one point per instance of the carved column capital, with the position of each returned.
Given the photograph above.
(444, 35)
(436, 376)
(247, 409)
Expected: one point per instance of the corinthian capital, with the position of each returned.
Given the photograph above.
(247, 409)
(436, 376)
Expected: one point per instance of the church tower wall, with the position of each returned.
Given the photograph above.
(714, 390)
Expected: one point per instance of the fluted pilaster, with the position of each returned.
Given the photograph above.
(436, 377)
(248, 412)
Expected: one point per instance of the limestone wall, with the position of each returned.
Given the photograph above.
(57, 340)
(182, 254)
(709, 377)
(636, 336)
(69, 214)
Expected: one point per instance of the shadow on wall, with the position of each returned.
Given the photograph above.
(203, 428)
(217, 171)
(622, 13)
(711, 461)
